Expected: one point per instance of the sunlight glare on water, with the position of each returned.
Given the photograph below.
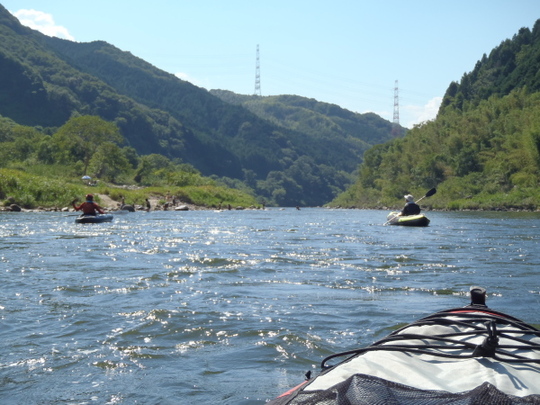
(233, 307)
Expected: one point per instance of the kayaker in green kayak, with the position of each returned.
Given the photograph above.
(411, 208)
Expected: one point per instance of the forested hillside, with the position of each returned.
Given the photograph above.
(482, 151)
(515, 63)
(46, 81)
(340, 135)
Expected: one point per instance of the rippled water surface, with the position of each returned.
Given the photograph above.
(232, 307)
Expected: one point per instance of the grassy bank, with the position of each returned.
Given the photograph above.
(450, 196)
(32, 191)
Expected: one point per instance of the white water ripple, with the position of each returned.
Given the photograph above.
(232, 307)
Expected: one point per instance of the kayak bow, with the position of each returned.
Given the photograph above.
(455, 356)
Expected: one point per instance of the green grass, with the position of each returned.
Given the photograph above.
(31, 191)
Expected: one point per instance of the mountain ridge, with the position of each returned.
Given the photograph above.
(51, 80)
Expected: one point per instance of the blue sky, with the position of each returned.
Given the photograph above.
(345, 52)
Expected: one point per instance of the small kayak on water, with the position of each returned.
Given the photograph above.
(409, 220)
(467, 355)
(93, 219)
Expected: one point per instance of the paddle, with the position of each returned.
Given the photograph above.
(428, 194)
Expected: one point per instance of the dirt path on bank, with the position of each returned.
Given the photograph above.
(107, 202)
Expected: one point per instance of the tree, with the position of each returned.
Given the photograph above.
(109, 162)
(81, 137)
(149, 164)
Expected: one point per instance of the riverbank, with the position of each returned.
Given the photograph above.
(111, 205)
(480, 209)
(21, 191)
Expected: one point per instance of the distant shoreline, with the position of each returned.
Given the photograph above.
(193, 207)
(445, 209)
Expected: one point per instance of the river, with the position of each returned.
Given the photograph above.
(233, 307)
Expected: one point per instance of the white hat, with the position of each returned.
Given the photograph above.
(477, 290)
(408, 198)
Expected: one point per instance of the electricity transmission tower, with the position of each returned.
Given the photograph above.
(395, 125)
(257, 75)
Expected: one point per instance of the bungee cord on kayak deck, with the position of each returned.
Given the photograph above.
(449, 345)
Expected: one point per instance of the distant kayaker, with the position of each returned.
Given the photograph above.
(89, 207)
(411, 208)
(478, 297)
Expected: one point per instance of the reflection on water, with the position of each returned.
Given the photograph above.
(232, 307)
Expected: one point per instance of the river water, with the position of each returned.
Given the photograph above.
(233, 307)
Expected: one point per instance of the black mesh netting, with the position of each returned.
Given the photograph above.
(362, 389)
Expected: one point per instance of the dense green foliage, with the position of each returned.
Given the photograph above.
(47, 170)
(46, 81)
(482, 151)
(515, 63)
